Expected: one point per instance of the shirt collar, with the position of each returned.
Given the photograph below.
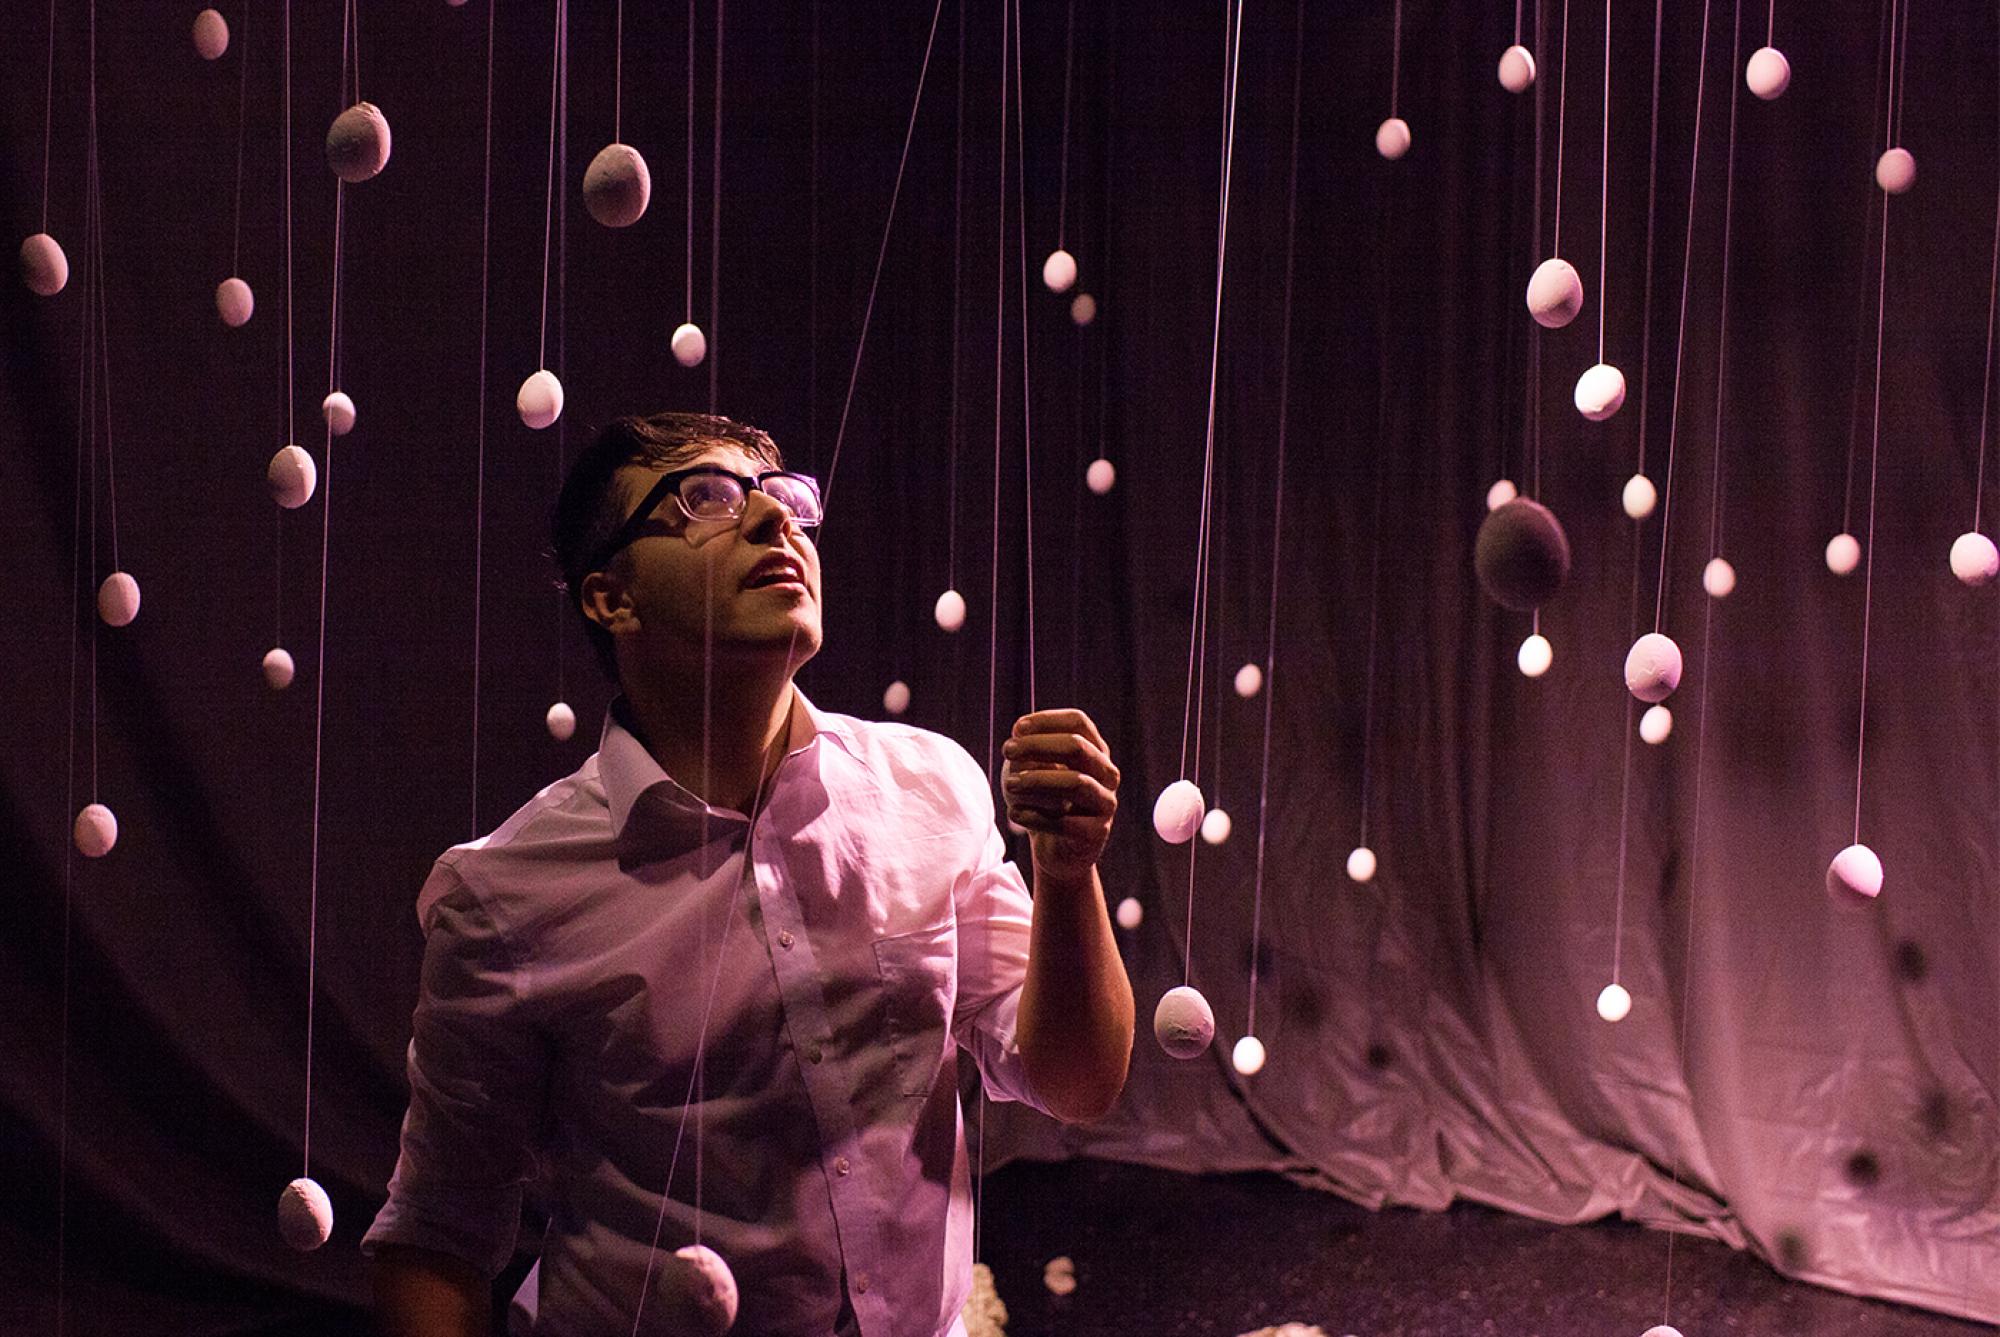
(630, 773)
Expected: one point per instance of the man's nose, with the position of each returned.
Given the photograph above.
(763, 516)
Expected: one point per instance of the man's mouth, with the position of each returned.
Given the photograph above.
(775, 571)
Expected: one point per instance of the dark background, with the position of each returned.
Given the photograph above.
(1806, 1078)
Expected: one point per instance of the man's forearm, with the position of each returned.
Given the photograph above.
(1075, 1027)
(422, 1293)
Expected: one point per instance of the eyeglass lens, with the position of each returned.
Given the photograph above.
(717, 496)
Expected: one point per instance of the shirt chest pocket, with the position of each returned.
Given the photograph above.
(919, 978)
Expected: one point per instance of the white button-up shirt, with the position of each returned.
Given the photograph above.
(840, 953)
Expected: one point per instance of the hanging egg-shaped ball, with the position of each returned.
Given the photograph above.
(1392, 138)
(712, 1288)
(1361, 864)
(1974, 559)
(1248, 1056)
(690, 345)
(44, 267)
(234, 302)
(305, 1215)
(118, 599)
(338, 410)
(617, 186)
(1101, 476)
(1639, 497)
(95, 832)
(1653, 667)
(1521, 555)
(1082, 309)
(357, 143)
(1535, 656)
(1517, 69)
(1216, 826)
(950, 611)
(293, 477)
(1614, 1003)
(279, 670)
(1555, 293)
(561, 721)
(1502, 492)
(1768, 74)
(1059, 271)
(1130, 913)
(1249, 681)
(539, 401)
(1600, 392)
(1656, 724)
(1856, 871)
(896, 698)
(1896, 171)
(1183, 1022)
(211, 35)
(1177, 812)
(1719, 578)
(1843, 554)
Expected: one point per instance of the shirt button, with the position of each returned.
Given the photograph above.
(785, 940)
(861, 1283)
(841, 1167)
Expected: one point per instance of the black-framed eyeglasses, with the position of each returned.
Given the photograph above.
(711, 492)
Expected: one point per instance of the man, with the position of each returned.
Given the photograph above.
(711, 988)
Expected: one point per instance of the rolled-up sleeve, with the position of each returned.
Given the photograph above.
(478, 1072)
(995, 913)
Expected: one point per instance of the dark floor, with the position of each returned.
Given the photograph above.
(1164, 1254)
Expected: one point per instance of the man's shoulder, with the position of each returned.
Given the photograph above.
(903, 748)
(567, 821)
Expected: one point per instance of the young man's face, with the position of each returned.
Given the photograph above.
(736, 587)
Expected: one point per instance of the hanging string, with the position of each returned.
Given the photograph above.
(1986, 371)
(618, 75)
(690, 164)
(1680, 333)
(48, 114)
(1603, 190)
(1880, 106)
(999, 391)
(957, 275)
(1395, 57)
(715, 228)
(812, 247)
(242, 94)
(479, 435)
(1021, 275)
(549, 187)
(1069, 61)
(562, 329)
(1562, 106)
(1278, 512)
(1375, 510)
(1534, 430)
(1517, 22)
(1875, 441)
(1639, 469)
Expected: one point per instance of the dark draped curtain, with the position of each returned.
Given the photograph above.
(1806, 1076)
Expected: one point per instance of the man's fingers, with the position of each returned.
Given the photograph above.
(1061, 791)
(1076, 751)
(1060, 721)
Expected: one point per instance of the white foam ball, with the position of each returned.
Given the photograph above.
(279, 669)
(118, 599)
(1855, 869)
(1768, 74)
(1392, 138)
(1555, 293)
(1502, 492)
(1248, 1056)
(211, 34)
(293, 477)
(1653, 667)
(1974, 559)
(1656, 724)
(1661, 1330)
(1600, 392)
(1896, 171)
(950, 610)
(357, 143)
(1177, 812)
(44, 267)
(305, 1215)
(539, 401)
(1060, 1276)
(1130, 913)
(1101, 476)
(1614, 1003)
(1719, 578)
(1640, 496)
(338, 409)
(234, 302)
(616, 186)
(1216, 826)
(1361, 864)
(96, 831)
(1249, 681)
(1517, 69)
(1183, 1023)
(1083, 308)
(713, 1288)
(1059, 271)
(1535, 656)
(690, 345)
(1843, 554)
(561, 721)
(896, 699)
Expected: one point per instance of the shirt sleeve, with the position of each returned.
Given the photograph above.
(478, 1080)
(995, 912)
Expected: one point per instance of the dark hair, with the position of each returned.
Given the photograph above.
(588, 512)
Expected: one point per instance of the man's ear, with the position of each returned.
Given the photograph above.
(605, 601)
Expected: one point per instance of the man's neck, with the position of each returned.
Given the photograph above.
(749, 717)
